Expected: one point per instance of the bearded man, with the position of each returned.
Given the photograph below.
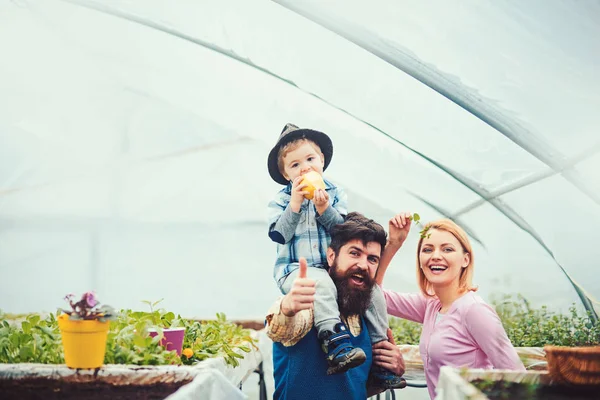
(299, 367)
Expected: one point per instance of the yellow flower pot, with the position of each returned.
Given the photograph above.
(84, 342)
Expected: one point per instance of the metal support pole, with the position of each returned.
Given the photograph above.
(261, 382)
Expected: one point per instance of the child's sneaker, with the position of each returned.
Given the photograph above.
(382, 378)
(341, 354)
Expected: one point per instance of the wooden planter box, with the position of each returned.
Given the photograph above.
(457, 384)
(211, 378)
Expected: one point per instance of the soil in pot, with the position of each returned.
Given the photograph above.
(504, 390)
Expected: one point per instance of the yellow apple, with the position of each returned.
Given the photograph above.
(313, 181)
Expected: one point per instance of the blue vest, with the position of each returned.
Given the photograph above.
(300, 371)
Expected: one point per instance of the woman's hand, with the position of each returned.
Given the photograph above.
(398, 232)
(399, 227)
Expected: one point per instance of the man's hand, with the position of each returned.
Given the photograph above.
(398, 228)
(387, 355)
(321, 200)
(298, 193)
(302, 295)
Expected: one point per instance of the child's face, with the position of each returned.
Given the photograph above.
(307, 157)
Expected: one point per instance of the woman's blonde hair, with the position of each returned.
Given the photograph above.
(466, 274)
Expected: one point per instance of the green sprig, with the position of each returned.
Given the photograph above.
(416, 218)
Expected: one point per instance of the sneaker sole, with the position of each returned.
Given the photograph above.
(353, 360)
(401, 384)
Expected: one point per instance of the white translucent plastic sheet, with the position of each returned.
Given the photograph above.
(534, 62)
(218, 381)
(210, 385)
(134, 136)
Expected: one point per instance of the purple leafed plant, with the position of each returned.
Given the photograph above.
(88, 308)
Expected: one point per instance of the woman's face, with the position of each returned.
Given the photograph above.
(442, 258)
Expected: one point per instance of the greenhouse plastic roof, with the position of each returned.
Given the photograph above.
(134, 137)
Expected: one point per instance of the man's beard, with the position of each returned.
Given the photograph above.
(351, 299)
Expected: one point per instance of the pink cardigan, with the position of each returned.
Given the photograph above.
(469, 334)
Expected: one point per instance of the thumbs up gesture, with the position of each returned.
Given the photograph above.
(302, 294)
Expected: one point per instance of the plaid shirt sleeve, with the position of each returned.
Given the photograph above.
(276, 207)
(340, 202)
(288, 330)
(282, 220)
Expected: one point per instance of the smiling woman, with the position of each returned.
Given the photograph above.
(459, 328)
(445, 262)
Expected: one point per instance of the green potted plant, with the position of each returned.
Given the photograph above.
(165, 326)
(84, 330)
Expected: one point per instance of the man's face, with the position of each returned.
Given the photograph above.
(353, 272)
(360, 258)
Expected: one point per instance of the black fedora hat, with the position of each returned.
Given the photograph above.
(290, 133)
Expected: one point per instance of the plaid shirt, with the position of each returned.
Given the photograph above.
(303, 234)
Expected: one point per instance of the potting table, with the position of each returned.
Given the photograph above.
(210, 379)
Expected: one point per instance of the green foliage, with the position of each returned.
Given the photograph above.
(37, 340)
(215, 338)
(31, 340)
(525, 326)
(405, 331)
(528, 327)
(129, 342)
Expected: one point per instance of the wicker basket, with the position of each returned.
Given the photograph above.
(574, 365)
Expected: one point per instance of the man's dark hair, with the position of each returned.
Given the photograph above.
(357, 226)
